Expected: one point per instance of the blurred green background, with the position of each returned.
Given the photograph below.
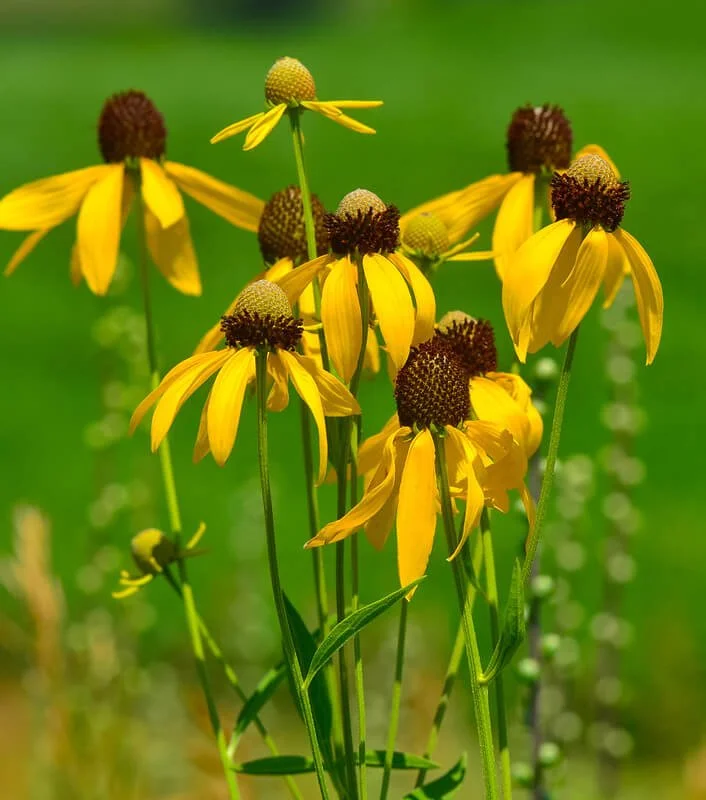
(629, 75)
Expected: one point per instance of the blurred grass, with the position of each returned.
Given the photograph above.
(630, 77)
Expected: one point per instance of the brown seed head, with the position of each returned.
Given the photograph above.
(432, 387)
(363, 224)
(281, 231)
(472, 340)
(426, 235)
(289, 81)
(589, 193)
(262, 317)
(539, 138)
(152, 545)
(130, 126)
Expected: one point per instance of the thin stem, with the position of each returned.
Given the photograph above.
(290, 652)
(552, 450)
(396, 702)
(170, 493)
(357, 655)
(479, 692)
(493, 607)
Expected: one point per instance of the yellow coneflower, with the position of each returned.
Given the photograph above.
(290, 85)
(132, 140)
(553, 279)
(483, 463)
(364, 228)
(262, 318)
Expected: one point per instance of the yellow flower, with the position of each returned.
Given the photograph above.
(132, 139)
(262, 318)
(482, 460)
(364, 228)
(290, 86)
(555, 276)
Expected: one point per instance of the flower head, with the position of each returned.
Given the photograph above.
(555, 276)
(261, 320)
(432, 396)
(364, 237)
(539, 139)
(290, 86)
(132, 139)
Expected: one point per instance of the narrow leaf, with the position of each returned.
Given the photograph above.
(257, 700)
(376, 758)
(444, 787)
(348, 627)
(298, 765)
(513, 630)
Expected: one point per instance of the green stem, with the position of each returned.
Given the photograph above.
(451, 670)
(170, 493)
(357, 655)
(493, 607)
(290, 652)
(479, 692)
(552, 451)
(396, 701)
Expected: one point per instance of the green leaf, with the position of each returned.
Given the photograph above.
(513, 630)
(444, 787)
(298, 765)
(348, 627)
(305, 645)
(254, 704)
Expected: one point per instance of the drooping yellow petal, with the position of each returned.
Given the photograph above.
(160, 193)
(476, 255)
(341, 317)
(417, 508)
(98, 229)
(521, 393)
(392, 304)
(296, 280)
(225, 405)
(333, 113)
(370, 452)
(236, 127)
(180, 390)
(46, 203)
(240, 208)
(528, 272)
(278, 398)
(201, 446)
(281, 267)
(378, 528)
(353, 103)
(617, 268)
(597, 150)
(173, 253)
(370, 504)
(28, 244)
(515, 222)
(308, 391)
(425, 302)
(492, 403)
(264, 126)
(583, 283)
(336, 400)
(371, 362)
(480, 199)
(648, 291)
(474, 495)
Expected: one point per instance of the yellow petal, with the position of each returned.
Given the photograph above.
(264, 126)
(478, 255)
(226, 401)
(417, 508)
(479, 199)
(278, 270)
(238, 207)
(180, 390)
(648, 291)
(173, 253)
(597, 150)
(370, 452)
(29, 243)
(378, 528)
(160, 193)
(445, 208)
(98, 229)
(46, 203)
(236, 127)
(521, 393)
(336, 400)
(583, 283)
(201, 446)
(527, 274)
(616, 270)
(308, 391)
(425, 302)
(341, 317)
(370, 504)
(330, 111)
(294, 282)
(474, 495)
(353, 103)
(493, 404)
(372, 353)
(392, 304)
(515, 222)
(278, 399)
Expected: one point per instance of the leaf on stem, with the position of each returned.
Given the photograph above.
(513, 630)
(444, 787)
(299, 765)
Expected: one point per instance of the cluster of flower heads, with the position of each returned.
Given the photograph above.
(370, 276)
